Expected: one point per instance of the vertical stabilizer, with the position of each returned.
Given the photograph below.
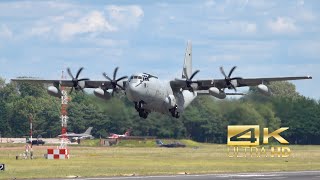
(187, 65)
(88, 131)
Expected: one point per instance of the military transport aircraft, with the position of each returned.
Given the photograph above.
(149, 93)
(74, 136)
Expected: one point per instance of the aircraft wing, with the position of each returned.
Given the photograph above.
(69, 83)
(221, 83)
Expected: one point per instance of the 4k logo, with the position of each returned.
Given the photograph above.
(248, 135)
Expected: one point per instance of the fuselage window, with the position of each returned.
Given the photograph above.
(145, 78)
(131, 77)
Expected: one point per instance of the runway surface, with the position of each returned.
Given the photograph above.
(298, 175)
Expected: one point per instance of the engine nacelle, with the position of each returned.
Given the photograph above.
(213, 91)
(102, 94)
(264, 89)
(170, 101)
(54, 91)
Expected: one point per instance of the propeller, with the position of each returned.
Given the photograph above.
(75, 80)
(228, 78)
(188, 81)
(114, 81)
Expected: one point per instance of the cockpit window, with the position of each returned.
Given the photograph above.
(144, 78)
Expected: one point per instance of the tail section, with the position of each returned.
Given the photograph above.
(159, 142)
(187, 66)
(127, 133)
(88, 131)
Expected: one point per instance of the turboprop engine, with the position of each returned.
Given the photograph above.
(213, 91)
(264, 89)
(54, 91)
(170, 101)
(102, 94)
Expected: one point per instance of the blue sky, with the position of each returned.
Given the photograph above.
(262, 37)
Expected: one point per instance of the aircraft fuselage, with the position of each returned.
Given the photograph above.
(151, 94)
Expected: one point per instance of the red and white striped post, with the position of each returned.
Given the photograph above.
(64, 114)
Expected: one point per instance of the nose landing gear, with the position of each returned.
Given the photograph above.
(139, 107)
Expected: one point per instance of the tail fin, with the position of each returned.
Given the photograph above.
(127, 133)
(187, 66)
(88, 131)
(158, 142)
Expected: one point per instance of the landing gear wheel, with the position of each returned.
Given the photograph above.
(177, 115)
(174, 112)
(144, 114)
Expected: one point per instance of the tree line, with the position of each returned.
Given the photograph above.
(205, 120)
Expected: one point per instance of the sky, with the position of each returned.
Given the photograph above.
(263, 38)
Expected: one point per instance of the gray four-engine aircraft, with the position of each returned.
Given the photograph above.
(149, 93)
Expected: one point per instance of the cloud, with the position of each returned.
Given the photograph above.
(40, 31)
(224, 58)
(91, 23)
(5, 32)
(282, 25)
(233, 28)
(76, 21)
(125, 16)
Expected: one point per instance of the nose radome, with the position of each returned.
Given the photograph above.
(131, 90)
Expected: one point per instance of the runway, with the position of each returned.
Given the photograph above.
(298, 175)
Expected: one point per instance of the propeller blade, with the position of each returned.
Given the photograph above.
(231, 71)
(223, 73)
(78, 73)
(115, 73)
(192, 76)
(106, 76)
(84, 79)
(69, 72)
(120, 87)
(236, 78)
(233, 87)
(123, 77)
(71, 90)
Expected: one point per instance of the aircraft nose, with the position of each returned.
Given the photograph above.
(132, 91)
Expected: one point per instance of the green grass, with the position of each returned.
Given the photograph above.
(88, 161)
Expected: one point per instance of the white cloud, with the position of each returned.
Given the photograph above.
(224, 58)
(250, 28)
(125, 16)
(5, 32)
(210, 3)
(91, 23)
(305, 15)
(41, 30)
(233, 28)
(282, 25)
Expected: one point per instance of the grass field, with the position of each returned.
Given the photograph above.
(127, 160)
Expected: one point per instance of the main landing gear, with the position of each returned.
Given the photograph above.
(139, 107)
(174, 112)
